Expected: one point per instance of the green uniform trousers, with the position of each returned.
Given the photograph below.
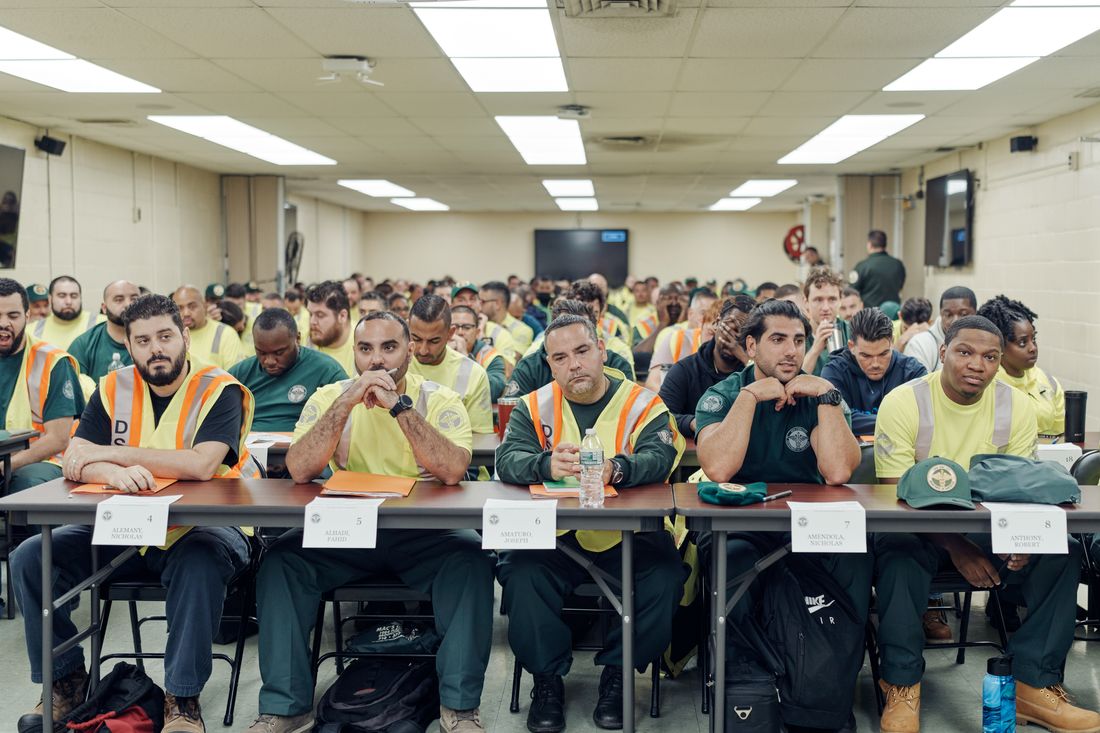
(904, 566)
(536, 582)
(852, 572)
(33, 474)
(450, 565)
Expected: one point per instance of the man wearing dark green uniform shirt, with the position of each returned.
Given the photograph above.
(828, 331)
(542, 444)
(773, 423)
(24, 362)
(533, 370)
(878, 278)
(282, 375)
(103, 348)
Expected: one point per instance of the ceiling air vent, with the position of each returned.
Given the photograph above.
(619, 8)
(108, 121)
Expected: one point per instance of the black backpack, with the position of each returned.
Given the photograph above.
(814, 642)
(125, 701)
(381, 695)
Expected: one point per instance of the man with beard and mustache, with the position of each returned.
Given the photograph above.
(67, 319)
(773, 423)
(330, 327)
(34, 373)
(385, 421)
(958, 412)
(102, 349)
(165, 416)
(691, 377)
(282, 375)
(542, 444)
(210, 341)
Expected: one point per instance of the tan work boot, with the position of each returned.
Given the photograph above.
(68, 692)
(182, 715)
(902, 711)
(282, 723)
(1051, 708)
(459, 721)
(935, 625)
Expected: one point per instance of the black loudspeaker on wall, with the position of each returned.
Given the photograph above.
(50, 145)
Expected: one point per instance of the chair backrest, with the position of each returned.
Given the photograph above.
(1086, 469)
(865, 472)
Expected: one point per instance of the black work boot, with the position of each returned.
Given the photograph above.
(609, 708)
(547, 713)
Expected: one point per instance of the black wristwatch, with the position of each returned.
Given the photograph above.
(404, 402)
(832, 397)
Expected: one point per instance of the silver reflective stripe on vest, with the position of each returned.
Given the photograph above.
(191, 419)
(123, 409)
(40, 328)
(217, 338)
(1002, 416)
(544, 397)
(91, 321)
(632, 417)
(462, 377)
(427, 389)
(922, 390)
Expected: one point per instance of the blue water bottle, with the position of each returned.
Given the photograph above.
(999, 697)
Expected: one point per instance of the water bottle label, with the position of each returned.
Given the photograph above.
(591, 457)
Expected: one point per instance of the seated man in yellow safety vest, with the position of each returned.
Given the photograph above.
(210, 342)
(169, 417)
(38, 391)
(67, 318)
(385, 421)
(542, 443)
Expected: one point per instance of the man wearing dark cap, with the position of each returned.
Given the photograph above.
(956, 413)
(39, 298)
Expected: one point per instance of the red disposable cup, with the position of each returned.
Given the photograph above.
(505, 405)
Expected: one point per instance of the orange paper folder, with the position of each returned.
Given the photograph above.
(162, 483)
(565, 488)
(352, 483)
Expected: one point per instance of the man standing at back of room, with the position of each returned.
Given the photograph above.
(878, 278)
(955, 303)
(103, 349)
(282, 375)
(67, 318)
(330, 327)
(212, 342)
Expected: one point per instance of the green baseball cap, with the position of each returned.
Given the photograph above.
(935, 482)
(36, 293)
(252, 287)
(999, 477)
(730, 494)
(464, 286)
(215, 291)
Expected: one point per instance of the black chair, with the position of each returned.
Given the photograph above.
(587, 600)
(387, 590)
(133, 592)
(1086, 471)
(865, 471)
(943, 583)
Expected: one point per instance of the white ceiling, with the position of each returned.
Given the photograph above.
(723, 89)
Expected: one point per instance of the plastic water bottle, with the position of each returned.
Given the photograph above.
(591, 494)
(116, 362)
(999, 697)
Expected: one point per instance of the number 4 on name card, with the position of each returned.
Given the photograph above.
(132, 521)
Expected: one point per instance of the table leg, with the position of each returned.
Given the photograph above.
(628, 632)
(93, 673)
(47, 628)
(718, 709)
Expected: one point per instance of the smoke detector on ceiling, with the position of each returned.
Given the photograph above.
(574, 112)
(337, 68)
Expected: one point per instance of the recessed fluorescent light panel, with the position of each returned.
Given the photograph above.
(375, 187)
(576, 187)
(763, 188)
(732, 204)
(957, 74)
(421, 204)
(846, 137)
(28, 59)
(577, 204)
(236, 135)
(496, 45)
(545, 140)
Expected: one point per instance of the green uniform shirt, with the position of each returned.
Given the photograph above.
(65, 399)
(823, 359)
(779, 449)
(533, 371)
(879, 278)
(521, 458)
(94, 350)
(279, 400)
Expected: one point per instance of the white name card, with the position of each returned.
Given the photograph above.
(132, 520)
(519, 525)
(1027, 529)
(339, 522)
(834, 526)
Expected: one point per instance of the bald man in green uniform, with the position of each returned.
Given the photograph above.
(103, 349)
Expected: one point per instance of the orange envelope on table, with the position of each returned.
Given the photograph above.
(566, 488)
(353, 483)
(162, 483)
